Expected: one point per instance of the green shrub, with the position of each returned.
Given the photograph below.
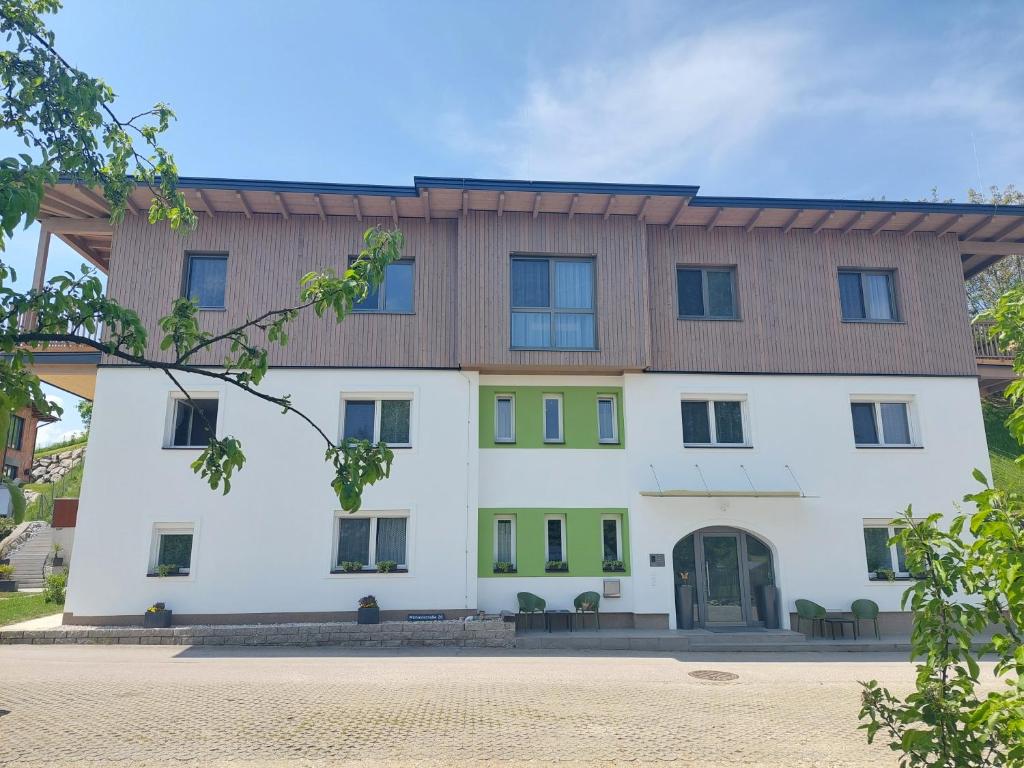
(6, 571)
(503, 567)
(368, 602)
(613, 565)
(56, 587)
(386, 566)
(351, 566)
(7, 525)
(556, 565)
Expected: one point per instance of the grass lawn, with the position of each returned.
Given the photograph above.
(18, 606)
(66, 445)
(1002, 449)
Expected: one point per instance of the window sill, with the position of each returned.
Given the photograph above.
(183, 447)
(503, 573)
(613, 570)
(719, 446)
(396, 572)
(381, 312)
(866, 321)
(897, 580)
(712, 319)
(889, 447)
(555, 349)
(169, 576)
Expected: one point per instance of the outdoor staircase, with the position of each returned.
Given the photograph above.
(30, 558)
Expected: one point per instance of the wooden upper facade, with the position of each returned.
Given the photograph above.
(462, 234)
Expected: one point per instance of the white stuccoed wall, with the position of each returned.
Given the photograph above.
(266, 546)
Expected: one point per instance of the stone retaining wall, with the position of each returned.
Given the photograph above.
(389, 634)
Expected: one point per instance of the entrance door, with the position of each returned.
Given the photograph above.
(722, 590)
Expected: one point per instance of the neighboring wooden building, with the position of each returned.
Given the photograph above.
(19, 450)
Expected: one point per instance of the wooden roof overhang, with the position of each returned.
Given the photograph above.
(985, 233)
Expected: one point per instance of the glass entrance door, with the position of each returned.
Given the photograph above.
(723, 587)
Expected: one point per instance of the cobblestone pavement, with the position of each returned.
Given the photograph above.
(160, 705)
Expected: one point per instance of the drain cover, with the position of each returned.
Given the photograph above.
(713, 674)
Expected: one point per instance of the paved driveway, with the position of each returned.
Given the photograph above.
(163, 705)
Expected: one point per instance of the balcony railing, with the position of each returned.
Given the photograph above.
(985, 346)
(26, 322)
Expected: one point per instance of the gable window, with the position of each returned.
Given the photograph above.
(378, 421)
(713, 423)
(607, 422)
(505, 540)
(194, 421)
(554, 539)
(867, 295)
(206, 280)
(368, 540)
(553, 303)
(880, 424)
(394, 294)
(611, 537)
(11, 471)
(553, 419)
(16, 432)
(504, 418)
(706, 293)
(881, 555)
(171, 551)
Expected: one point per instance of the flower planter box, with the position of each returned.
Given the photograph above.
(58, 562)
(510, 570)
(558, 569)
(368, 616)
(620, 569)
(157, 619)
(8, 585)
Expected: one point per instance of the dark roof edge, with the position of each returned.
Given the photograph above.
(855, 205)
(309, 187)
(578, 187)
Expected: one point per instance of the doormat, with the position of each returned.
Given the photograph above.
(713, 674)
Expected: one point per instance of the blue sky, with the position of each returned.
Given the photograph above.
(851, 100)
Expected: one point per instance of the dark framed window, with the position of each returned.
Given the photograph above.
(880, 554)
(175, 550)
(611, 537)
(206, 279)
(881, 424)
(706, 293)
(371, 540)
(378, 421)
(713, 423)
(395, 293)
(868, 295)
(193, 421)
(11, 471)
(16, 432)
(553, 303)
(554, 538)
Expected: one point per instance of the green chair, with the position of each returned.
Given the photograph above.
(807, 610)
(530, 604)
(865, 610)
(588, 602)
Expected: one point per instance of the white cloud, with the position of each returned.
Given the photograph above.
(48, 434)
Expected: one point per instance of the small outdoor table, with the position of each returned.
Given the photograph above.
(568, 615)
(832, 621)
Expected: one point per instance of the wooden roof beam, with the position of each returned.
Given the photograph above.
(913, 226)
(1005, 232)
(572, 206)
(77, 226)
(394, 210)
(100, 201)
(426, 205)
(950, 223)
(281, 206)
(857, 219)
(355, 204)
(133, 209)
(674, 221)
(820, 223)
(790, 223)
(875, 230)
(642, 215)
(754, 221)
(608, 207)
(245, 203)
(207, 205)
(52, 206)
(80, 208)
(536, 204)
(976, 228)
(320, 207)
(501, 203)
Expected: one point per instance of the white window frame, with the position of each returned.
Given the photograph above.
(614, 439)
(893, 554)
(494, 538)
(377, 398)
(371, 567)
(544, 418)
(710, 400)
(617, 519)
(876, 401)
(179, 528)
(174, 397)
(512, 400)
(565, 541)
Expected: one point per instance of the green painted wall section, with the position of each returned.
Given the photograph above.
(582, 539)
(579, 417)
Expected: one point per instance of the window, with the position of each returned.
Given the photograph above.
(171, 552)
(16, 432)
(607, 423)
(504, 418)
(706, 293)
(881, 424)
(867, 295)
(11, 471)
(371, 540)
(378, 421)
(554, 539)
(553, 419)
(713, 422)
(553, 303)
(505, 540)
(395, 292)
(195, 422)
(206, 280)
(611, 537)
(881, 556)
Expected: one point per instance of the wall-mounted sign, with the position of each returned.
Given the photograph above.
(425, 617)
(657, 561)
